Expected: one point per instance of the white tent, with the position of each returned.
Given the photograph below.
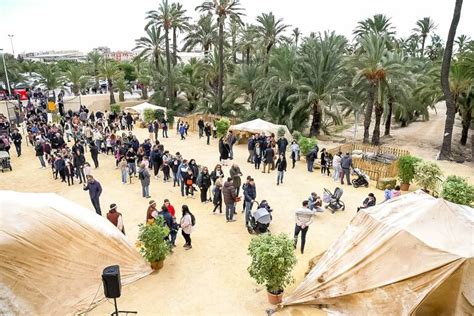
(260, 126)
(140, 108)
(52, 253)
(412, 255)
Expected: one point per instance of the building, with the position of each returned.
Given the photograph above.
(52, 56)
(122, 55)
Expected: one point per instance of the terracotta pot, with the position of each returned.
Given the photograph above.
(275, 299)
(157, 265)
(404, 186)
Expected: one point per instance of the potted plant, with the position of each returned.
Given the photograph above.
(427, 176)
(273, 259)
(151, 240)
(406, 170)
(458, 190)
(306, 145)
(222, 126)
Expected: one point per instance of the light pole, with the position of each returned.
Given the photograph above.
(11, 42)
(6, 73)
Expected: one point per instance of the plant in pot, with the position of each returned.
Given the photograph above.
(458, 190)
(427, 176)
(273, 259)
(151, 240)
(406, 170)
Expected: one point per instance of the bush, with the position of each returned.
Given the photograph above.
(149, 115)
(151, 239)
(170, 117)
(115, 108)
(222, 126)
(281, 132)
(427, 175)
(296, 136)
(406, 168)
(273, 258)
(307, 145)
(457, 190)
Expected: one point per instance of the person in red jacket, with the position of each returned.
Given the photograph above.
(169, 206)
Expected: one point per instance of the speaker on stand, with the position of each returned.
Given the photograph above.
(113, 286)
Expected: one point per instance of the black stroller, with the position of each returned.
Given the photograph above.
(362, 179)
(5, 161)
(260, 219)
(334, 200)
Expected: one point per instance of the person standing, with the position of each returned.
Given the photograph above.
(115, 218)
(231, 140)
(310, 158)
(224, 151)
(268, 157)
(282, 144)
(217, 199)
(346, 165)
(40, 153)
(257, 156)
(151, 212)
(182, 172)
(204, 183)
(187, 226)
(16, 137)
(95, 190)
(164, 127)
(251, 148)
(170, 207)
(281, 168)
(167, 217)
(189, 182)
(123, 166)
(250, 194)
(131, 157)
(156, 128)
(151, 131)
(144, 177)
(295, 152)
(230, 195)
(336, 164)
(182, 130)
(304, 218)
(94, 155)
(79, 161)
(207, 132)
(235, 173)
(201, 127)
(69, 171)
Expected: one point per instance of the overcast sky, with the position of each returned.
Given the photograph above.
(85, 24)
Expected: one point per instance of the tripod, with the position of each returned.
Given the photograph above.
(116, 313)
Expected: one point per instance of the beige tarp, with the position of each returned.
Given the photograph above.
(260, 126)
(412, 255)
(140, 108)
(52, 253)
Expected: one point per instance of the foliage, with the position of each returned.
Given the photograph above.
(427, 175)
(222, 126)
(128, 71)
(170, 116)
(406, 168)
(273, 258)
(297, 136)
(151, 238)
(307, 145)
(458, 190)
(281, 132)
(115, 108)
(149, 115)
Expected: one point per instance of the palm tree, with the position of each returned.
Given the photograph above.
(110, 71)
(223, 9)
(423, 28)
(179, 23)
(378, 24)
(296, 33)
(28, 66)
(234, 30)
(150, 45)
(270, 30)
(74, 75)
(461, 86)
(203, 33)
(163, 18)
(50, 77)
(462, 41)
(95, 59)
(247, 42)
(122, 86)
(445, 152)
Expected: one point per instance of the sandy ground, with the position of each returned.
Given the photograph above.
(210, 279)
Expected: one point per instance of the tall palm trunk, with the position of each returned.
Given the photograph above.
(466, 124)
(388, 122)
(156, 61)
(445, 152)
(175, 47)
(220, 84)
(247, 54)
(423, 40)
(317, 117)
(206, 53)
(75, 89)
(369, 109)
(267, 57)
(144, 92)
(169, 91)
(234, 50)
(121, 96)
(111, 91)
(378, 118)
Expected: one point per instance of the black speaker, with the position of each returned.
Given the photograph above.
(111, 281)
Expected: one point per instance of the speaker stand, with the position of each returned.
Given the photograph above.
(117, 312)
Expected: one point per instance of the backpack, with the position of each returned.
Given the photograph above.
(193, 219)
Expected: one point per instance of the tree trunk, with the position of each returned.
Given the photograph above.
(157, 62)
(220, 84)
(144, 92)
(267, 57)
(378, 118)
(206, 54)
(75, 89)
(121, 96)
(316, 123)
(111, 91)
(388, 122)
(247, 54)
(234, 50)
(368, 110)
(175, 47)
(445, 152)
(466, 124)
(423, 40)
(169, 91)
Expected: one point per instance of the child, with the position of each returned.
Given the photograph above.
(166, 171)
(387, 194)
(87, 169)
(396, 192)
(174, 232)
(123, 166)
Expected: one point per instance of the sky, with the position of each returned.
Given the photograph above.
(39, 25)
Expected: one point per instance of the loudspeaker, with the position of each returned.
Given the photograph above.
(111, 281)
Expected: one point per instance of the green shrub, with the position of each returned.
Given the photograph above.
(149, 115)
(307, 145)
(151, 239)
(281, 132)
(222, 126)
(273, 258)
(170, 116)
(427, 175)
(458, 190)
(115, 108)
(406, 168)
(296, 136)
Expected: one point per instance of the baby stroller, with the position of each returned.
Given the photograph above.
(362, 179)
(260, 219)
(5, 161)
(334, 200)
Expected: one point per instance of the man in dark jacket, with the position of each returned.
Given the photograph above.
(201, 127)
(229, 194)
(282, 143)
(250, 194)
(346, 165)
(40, 153)
(95, 190)
(268, 155)
(94, 155)
(16, 137)
(251, 147)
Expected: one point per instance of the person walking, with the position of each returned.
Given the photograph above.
(79, 162)
(204, 183)
(95, 190)
(123, 166)
(250, 194)
(187, 226)
(346, 165)
(95, 154)
(304, 218)
(182, 130)
(281, 168)
(16, 138)
(235, 173)
(295, 152)
(115, 217)
(230, 196)
(336, 164)
(217, 199)
(144, 177)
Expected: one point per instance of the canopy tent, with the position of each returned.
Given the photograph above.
(412, 255)
(260, 126)
(140, 108)
(52, 253)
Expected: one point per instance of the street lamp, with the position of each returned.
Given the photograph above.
(6, 73)
(11, 42)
